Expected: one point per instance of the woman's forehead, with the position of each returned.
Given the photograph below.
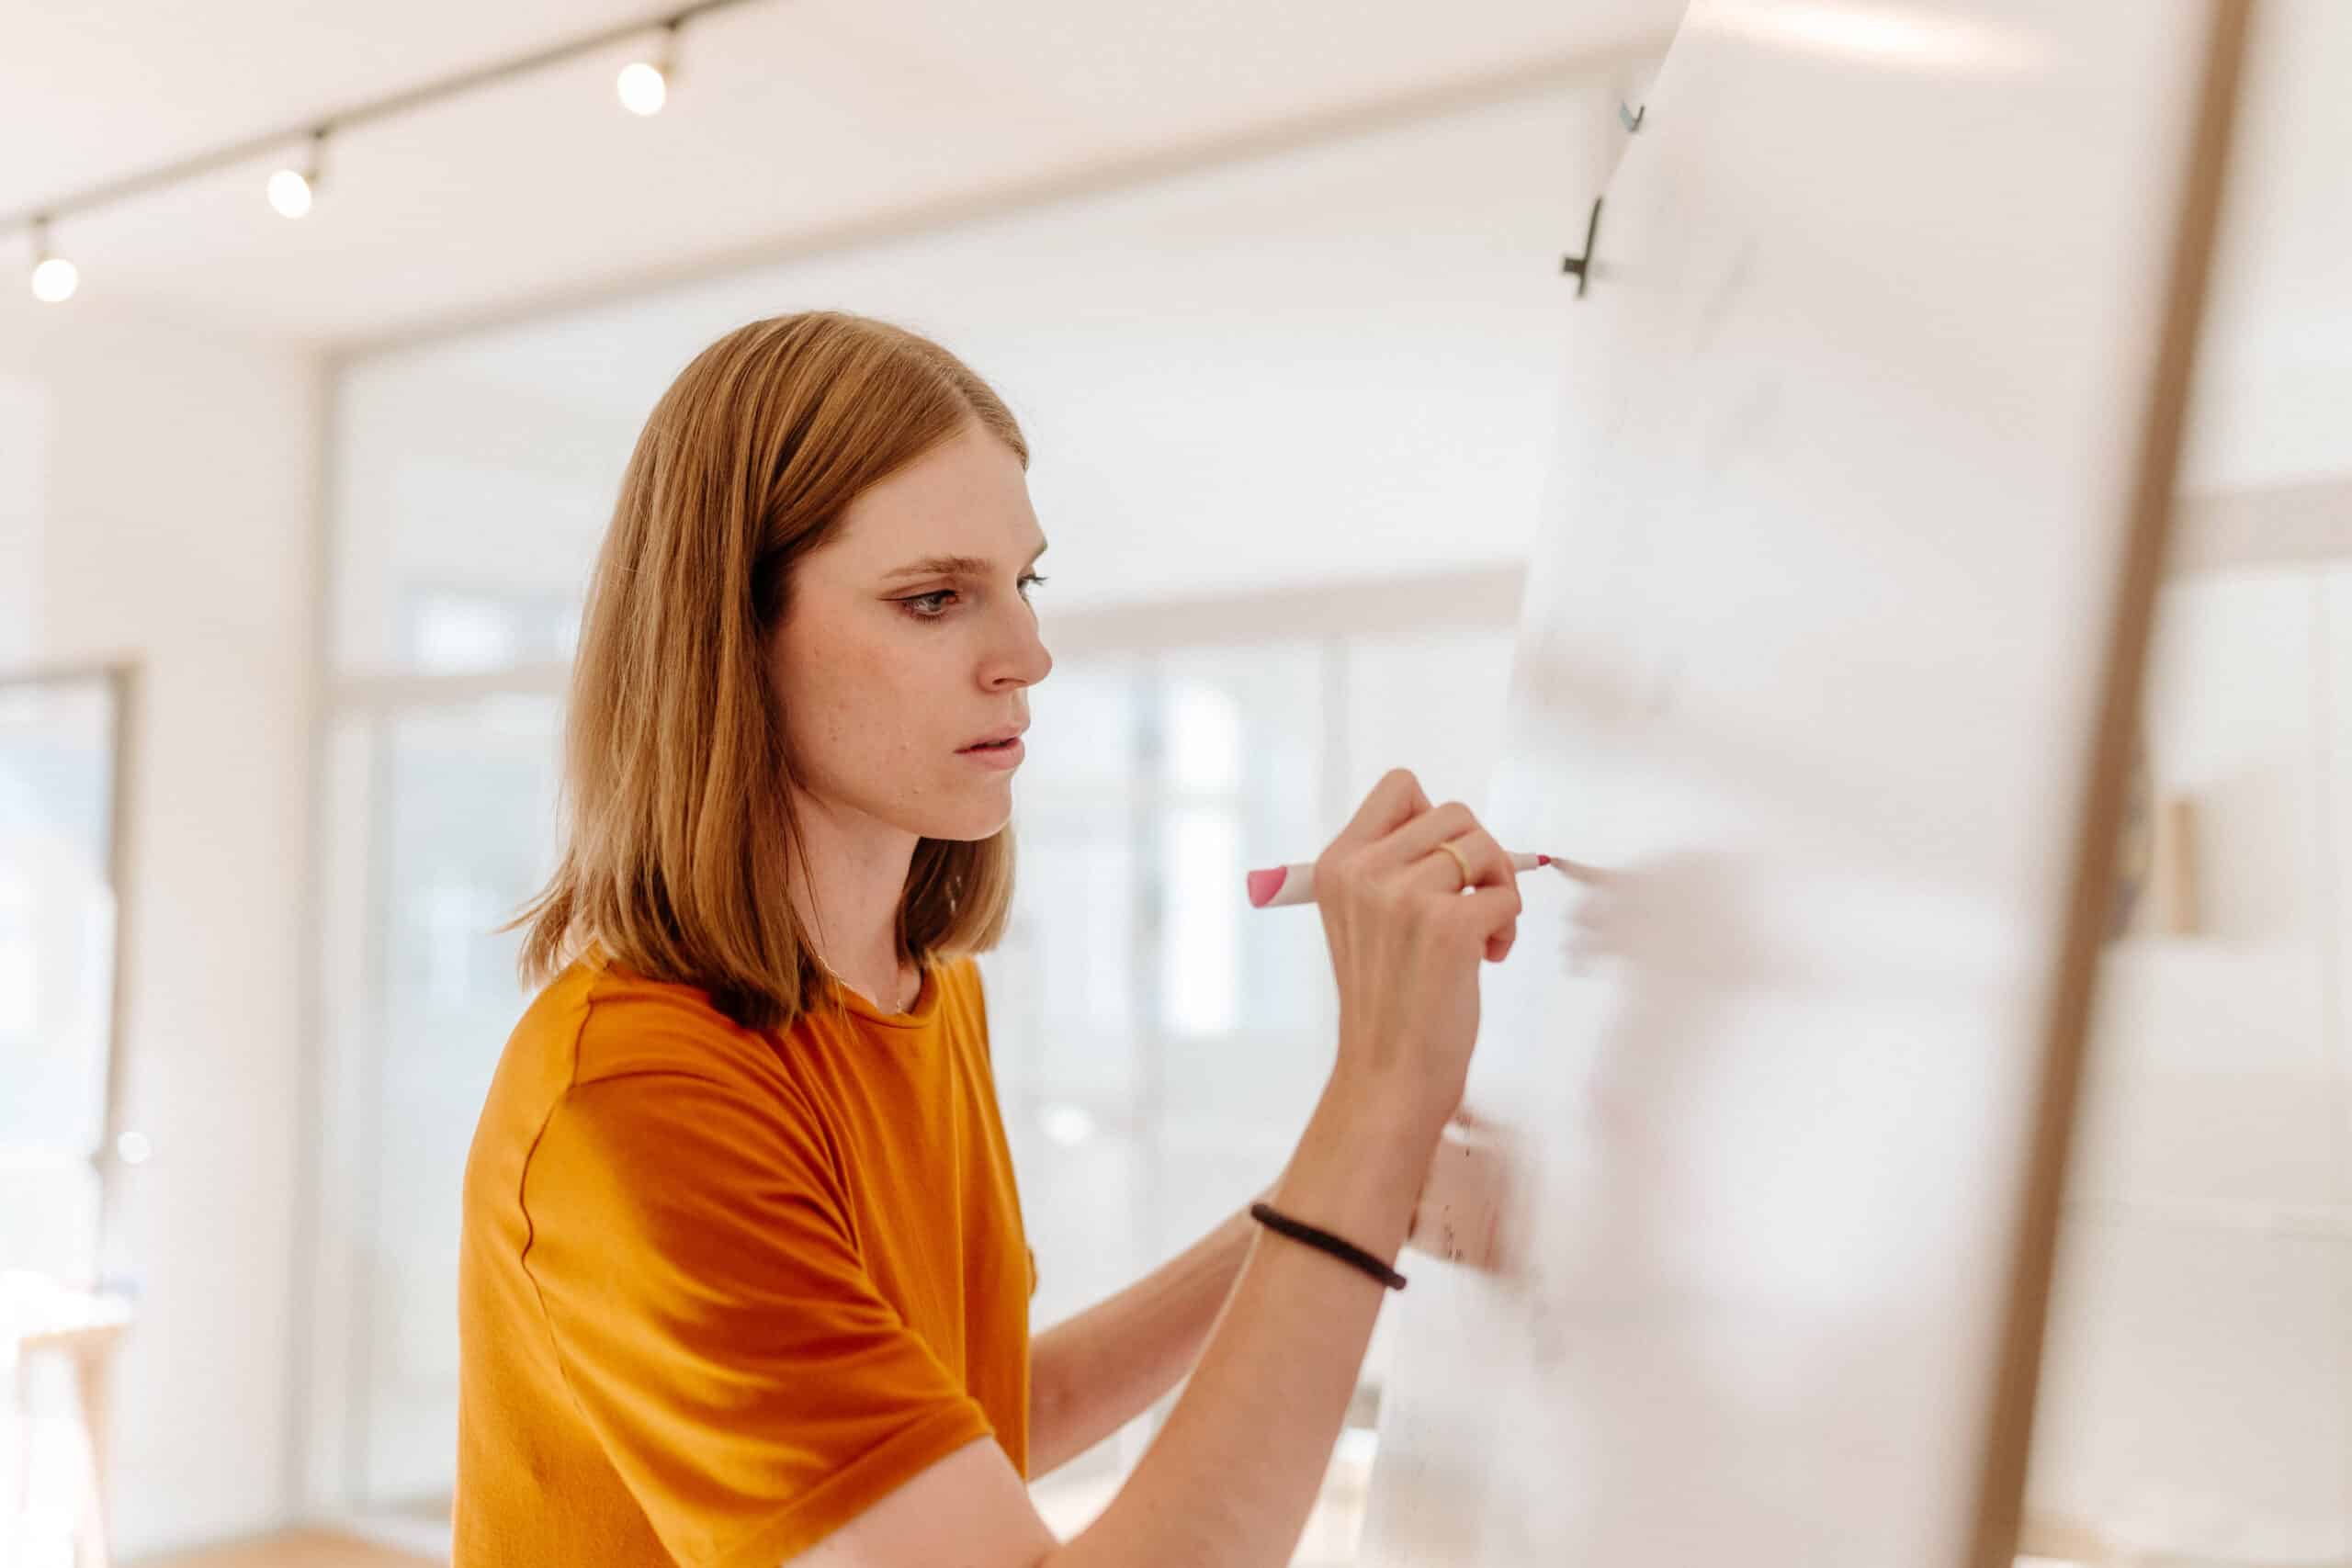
(952, 501)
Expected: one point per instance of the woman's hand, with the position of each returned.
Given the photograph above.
(1407, 934)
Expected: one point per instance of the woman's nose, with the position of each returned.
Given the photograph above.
(1024, 661)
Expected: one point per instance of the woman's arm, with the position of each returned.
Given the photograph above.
(1091, 1374)
(1229, 1481)
(1095, 1373)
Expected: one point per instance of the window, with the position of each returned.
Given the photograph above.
(59, 741)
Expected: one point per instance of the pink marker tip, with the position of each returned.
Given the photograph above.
(1542, 859)
(1264, 884)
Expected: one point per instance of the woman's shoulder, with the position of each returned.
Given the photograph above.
(960, 982)
(606, 1021)
(964, 998)
(612, 1023)
(962, 971)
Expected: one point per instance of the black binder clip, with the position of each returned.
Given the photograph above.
(1580, 267)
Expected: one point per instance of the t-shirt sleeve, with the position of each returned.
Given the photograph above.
(715, 1325)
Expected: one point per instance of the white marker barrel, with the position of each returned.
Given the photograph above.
(1272, 888)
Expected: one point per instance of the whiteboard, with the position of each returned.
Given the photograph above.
(1856, 446)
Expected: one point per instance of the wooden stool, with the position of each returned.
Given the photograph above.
(38, 1314)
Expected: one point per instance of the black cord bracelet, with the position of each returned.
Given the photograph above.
(1281, 1223)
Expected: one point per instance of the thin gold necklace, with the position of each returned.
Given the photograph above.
(845, 980)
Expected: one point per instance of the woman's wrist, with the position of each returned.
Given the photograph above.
(1392, 1110)
(1358, 1169)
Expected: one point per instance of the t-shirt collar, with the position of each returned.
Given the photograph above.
(925, 1008)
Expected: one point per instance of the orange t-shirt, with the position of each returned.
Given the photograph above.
(720, 1291)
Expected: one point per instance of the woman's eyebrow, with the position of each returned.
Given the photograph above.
(949, 566)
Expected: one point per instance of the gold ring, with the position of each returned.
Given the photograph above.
(1449, 849)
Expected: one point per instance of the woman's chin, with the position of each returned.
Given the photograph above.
(980, 819)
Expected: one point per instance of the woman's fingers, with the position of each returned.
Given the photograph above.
(1491, 914)
(1489, 906)
(1418, 836)
(1487, 865)
(1499, 946)
(1397, 832)
(1394, 801)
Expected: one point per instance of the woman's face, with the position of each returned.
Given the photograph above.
(909, 637)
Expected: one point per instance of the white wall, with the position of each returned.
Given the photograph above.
(2197, 1387)
(2273, 402)
(1334, 362)
(169, 522)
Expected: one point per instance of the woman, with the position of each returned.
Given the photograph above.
(744, 1279)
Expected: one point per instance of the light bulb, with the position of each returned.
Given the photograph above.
(54, 280)
(289, 192)
(643, 87)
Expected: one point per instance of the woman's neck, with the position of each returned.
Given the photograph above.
(849, 898)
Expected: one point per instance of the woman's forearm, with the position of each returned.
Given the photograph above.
(1230, 1479)
(1095, 1373)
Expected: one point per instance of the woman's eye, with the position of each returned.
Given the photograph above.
(933, 606)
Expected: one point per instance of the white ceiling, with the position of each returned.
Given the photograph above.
(803, 125)
(794, 123)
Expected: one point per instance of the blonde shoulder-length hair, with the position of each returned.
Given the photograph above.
(679, 833)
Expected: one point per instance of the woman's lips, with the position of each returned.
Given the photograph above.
(1008, 755)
